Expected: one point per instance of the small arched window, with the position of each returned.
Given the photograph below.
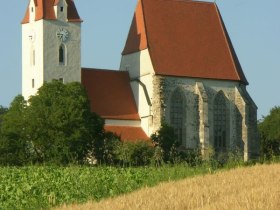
(220, 122)
(62, 55)
(177, 114)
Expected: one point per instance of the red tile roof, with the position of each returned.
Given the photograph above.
(184, 38)
(110, 94)
(128, 133)
(44, 9)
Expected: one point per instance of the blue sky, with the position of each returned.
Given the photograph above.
(253, 25)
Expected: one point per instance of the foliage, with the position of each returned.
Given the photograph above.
(13, 144)
(43, 187)
(56, 127)
(105, 147)
(137, 153)
(166, 139)
(3, 110)
(191, 157)
(269, 129)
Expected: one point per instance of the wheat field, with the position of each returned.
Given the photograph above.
(253, 188)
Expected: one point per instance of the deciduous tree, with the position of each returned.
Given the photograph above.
(269, 128)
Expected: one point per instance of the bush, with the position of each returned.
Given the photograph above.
(137, 153)
(191, 157)
(166, 139)
(109, 146)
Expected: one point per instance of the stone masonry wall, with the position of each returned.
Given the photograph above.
(241, 127)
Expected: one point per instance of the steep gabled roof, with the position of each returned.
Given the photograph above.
(127, 132)
(185, 38)
(44, 9)
(110, 94)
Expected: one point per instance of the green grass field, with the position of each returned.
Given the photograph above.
(44, 187)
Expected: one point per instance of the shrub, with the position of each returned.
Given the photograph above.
(137, 153)
(110, 142)
(166, 139)
(191, 157)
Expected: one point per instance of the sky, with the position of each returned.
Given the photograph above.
(253, 26)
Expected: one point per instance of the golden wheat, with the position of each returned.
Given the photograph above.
(255, 188)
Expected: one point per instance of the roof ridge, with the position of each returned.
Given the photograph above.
(102, 69)
(242, 77)
(193, 1)
(153, 59)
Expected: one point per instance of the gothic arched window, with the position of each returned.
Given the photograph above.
(62, 54)
(177, 114)
(220, 122)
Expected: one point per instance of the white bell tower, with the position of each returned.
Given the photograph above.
(51, 44)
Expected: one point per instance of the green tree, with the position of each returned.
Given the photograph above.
(61, 127)
(3, 110)
(166, 139)
(13, 144)
(57, 126)
(269, 128)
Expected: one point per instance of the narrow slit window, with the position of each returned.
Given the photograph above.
(33, 57)
(33, 83)
(32, 9)
(61, 9)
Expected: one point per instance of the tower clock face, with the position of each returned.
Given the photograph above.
(62, 34)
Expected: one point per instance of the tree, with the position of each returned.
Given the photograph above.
(269, 129)
(13, 144)
(3, 110)
(57, 126)
(61, 126)
(166, 139)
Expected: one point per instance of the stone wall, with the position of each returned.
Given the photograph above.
(199, 95)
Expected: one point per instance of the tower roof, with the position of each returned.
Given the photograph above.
(44, 9)
(185, 38)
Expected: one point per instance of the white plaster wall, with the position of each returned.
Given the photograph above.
(71, 71)
(46, 46)
(141, 73)
(30, 71)
(138, 64)
(61, 15)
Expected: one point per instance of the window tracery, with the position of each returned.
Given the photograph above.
(177, 114)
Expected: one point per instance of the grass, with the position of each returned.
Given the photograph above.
(253, 188)
(43, 187)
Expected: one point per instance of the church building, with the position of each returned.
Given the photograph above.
(178, 66)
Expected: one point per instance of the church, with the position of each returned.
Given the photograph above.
(178, 66)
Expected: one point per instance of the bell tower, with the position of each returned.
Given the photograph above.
(51, 44)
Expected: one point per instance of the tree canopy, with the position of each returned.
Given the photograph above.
(269, 129)
(56, 126)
